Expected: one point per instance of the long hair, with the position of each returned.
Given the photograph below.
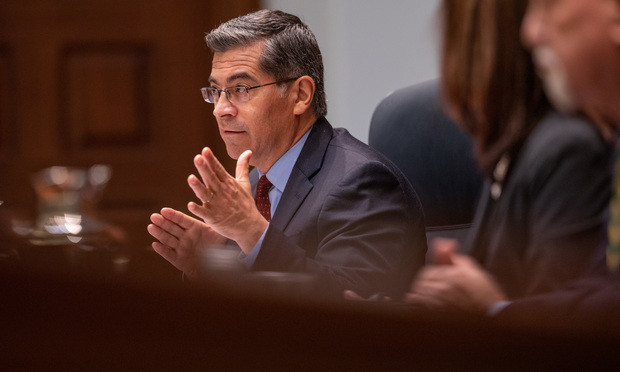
(489, 81)
(290, 48)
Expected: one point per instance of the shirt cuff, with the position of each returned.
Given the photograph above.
(249, 259)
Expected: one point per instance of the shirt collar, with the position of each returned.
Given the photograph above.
(279, 173)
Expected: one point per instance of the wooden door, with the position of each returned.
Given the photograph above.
(108, 82)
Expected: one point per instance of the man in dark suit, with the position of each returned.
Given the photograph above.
(340, 211)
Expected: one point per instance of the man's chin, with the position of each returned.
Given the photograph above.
(555, 82)
(560, 97)
(233, 151)
(235, 154)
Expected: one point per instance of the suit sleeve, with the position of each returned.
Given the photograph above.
(595, 301)
(369, 236)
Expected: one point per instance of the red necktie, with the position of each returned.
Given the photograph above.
(262, 197)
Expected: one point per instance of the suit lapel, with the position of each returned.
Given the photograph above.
(308, 164)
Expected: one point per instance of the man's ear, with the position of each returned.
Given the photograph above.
(305, 93)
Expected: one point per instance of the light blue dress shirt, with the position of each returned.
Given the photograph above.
(278, 175)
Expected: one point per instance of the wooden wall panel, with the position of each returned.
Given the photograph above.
(7, 117)
(105, 96)
(108, 82)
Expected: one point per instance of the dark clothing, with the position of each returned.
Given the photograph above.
(548, 226)
(593, 301)
(347, 215)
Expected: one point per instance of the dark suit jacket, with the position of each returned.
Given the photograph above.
(549, 225)
(347, 215)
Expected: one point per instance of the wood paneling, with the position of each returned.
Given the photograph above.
(105, 96)
(108, 82)
(7, 74)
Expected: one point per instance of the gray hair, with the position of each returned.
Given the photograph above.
(290, 48)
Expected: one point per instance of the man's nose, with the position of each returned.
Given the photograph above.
(532, 27)
(223, 106)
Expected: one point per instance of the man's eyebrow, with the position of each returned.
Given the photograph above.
(230, 79)
(241, 75)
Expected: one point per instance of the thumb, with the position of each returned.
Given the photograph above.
(243, 166)
(443, 251)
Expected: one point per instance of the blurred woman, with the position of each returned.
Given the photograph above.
(540, 222)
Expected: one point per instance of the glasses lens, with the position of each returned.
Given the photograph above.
(238, 94)
(212, 95)
(208, 94)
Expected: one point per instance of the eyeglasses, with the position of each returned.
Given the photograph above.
(237, 94)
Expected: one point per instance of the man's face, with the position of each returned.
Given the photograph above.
(574, 52)
(265, 123)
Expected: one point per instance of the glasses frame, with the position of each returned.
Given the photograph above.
(205, 91)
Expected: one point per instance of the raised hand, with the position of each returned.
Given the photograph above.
(456, 281)
(182, 239)
(227, 203)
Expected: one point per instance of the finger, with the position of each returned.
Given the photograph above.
(434, 273)
(158, 219)
(421, 300)
(163, 236)
(167, 225)
(435, 294)
(442, 256)
(216, 167)
(430, 288)
(200, 190)
(443, 249)
(434, 277)
(167, 253)
(179, 218)
(242, 172)
(209, 178)
(199, 211)
(464, 260)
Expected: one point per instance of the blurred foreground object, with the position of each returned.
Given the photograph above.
(9, 241)
(67, 233)
(222, 269)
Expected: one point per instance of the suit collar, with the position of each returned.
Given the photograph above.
(310, 159)
(308, 164)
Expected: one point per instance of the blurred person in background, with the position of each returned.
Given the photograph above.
(541, 219)
(576, 44)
